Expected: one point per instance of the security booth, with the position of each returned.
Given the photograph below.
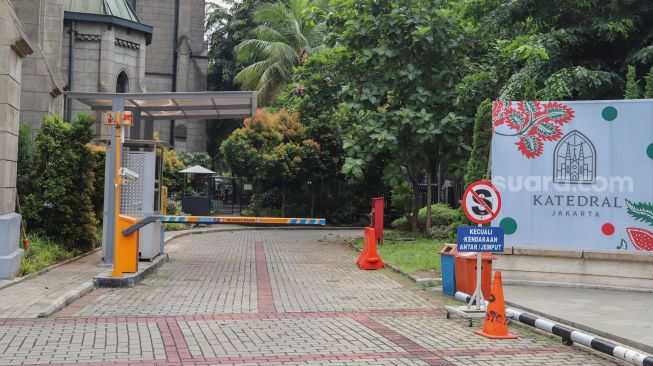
(145, 109)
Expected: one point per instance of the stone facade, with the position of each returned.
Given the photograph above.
(100, 54)
(41, 93)
(14, 47)
(102, 51)
(192, 62)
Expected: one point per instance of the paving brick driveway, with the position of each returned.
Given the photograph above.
(267, 298)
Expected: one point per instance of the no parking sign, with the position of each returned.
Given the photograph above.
(481, 202)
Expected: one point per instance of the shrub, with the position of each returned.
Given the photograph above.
(99, 157)
(441, 216)
(477, 164)
(44, 253)
(171, 179)
(59, 195)
(25, 157)
(175, 226)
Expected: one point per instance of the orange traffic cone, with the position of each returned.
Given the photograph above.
(496, 323)
(369, 258)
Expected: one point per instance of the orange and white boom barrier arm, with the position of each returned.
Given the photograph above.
(224, 220)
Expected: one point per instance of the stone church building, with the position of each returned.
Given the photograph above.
(48, 47)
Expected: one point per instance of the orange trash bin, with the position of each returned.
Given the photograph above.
(465, 267)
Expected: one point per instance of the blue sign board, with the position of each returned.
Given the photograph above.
(480, 239)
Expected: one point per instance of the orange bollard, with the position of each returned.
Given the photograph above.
(496, 323)
(369, 258)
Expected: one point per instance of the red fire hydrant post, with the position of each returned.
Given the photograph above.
(377, 218)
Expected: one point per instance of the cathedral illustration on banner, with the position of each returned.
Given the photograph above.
(574, 160)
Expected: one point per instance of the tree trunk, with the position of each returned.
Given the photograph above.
(429, 198)
(312, 201)
(441, 192)
(416, 205)
(283, 199)
(413, 175)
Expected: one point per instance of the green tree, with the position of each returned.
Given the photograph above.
(574, 49)
(478, 161)
(227, 26)
(271, 150)
(632, 84)
(314, 96)
(287, 33)
(648, 88)
(400, 88)
(60, 192)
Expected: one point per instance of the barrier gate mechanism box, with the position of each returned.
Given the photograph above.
(142, 197)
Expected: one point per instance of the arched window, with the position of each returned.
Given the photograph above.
(122, 84)
(574, 159)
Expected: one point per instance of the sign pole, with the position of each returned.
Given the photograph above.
(481, 203)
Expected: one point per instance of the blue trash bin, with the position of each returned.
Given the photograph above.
(447, 256)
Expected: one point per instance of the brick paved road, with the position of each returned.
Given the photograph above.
(267, 298)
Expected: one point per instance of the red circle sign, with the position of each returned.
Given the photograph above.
(481, 202)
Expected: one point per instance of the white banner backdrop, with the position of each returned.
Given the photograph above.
(575, 174)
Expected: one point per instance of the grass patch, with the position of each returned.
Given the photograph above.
(412, 252)
(44, 253)
(175, 226)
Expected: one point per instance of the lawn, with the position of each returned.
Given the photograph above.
(414, 253)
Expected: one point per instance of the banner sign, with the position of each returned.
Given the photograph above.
(480, 239)
(575, 174)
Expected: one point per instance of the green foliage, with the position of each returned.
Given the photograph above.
(99, 162)
(441, 215)
(581, 83)
(227, 27)
(648, 90)
(287, 33)
(172, 164)
(59, 197)
(632, 84)
(176, 226)
(43, 253)
(25, 157)
(478, 161)
(402, 197)
(400, 86)
(272, 149)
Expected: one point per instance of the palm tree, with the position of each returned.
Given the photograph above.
(286, 34)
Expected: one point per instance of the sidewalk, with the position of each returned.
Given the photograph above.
(34, 296)
(621, 316)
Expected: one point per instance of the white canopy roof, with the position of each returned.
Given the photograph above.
(197, 170)
(174, 106)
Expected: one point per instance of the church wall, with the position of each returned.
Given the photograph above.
(11, 35)
(99, 55)
(42, 81)
(192, 66)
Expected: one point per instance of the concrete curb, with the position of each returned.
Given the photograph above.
(47, 269)
(575, 285)
(67, 299)
(130, 280)
(582, 327)
(181, 233)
